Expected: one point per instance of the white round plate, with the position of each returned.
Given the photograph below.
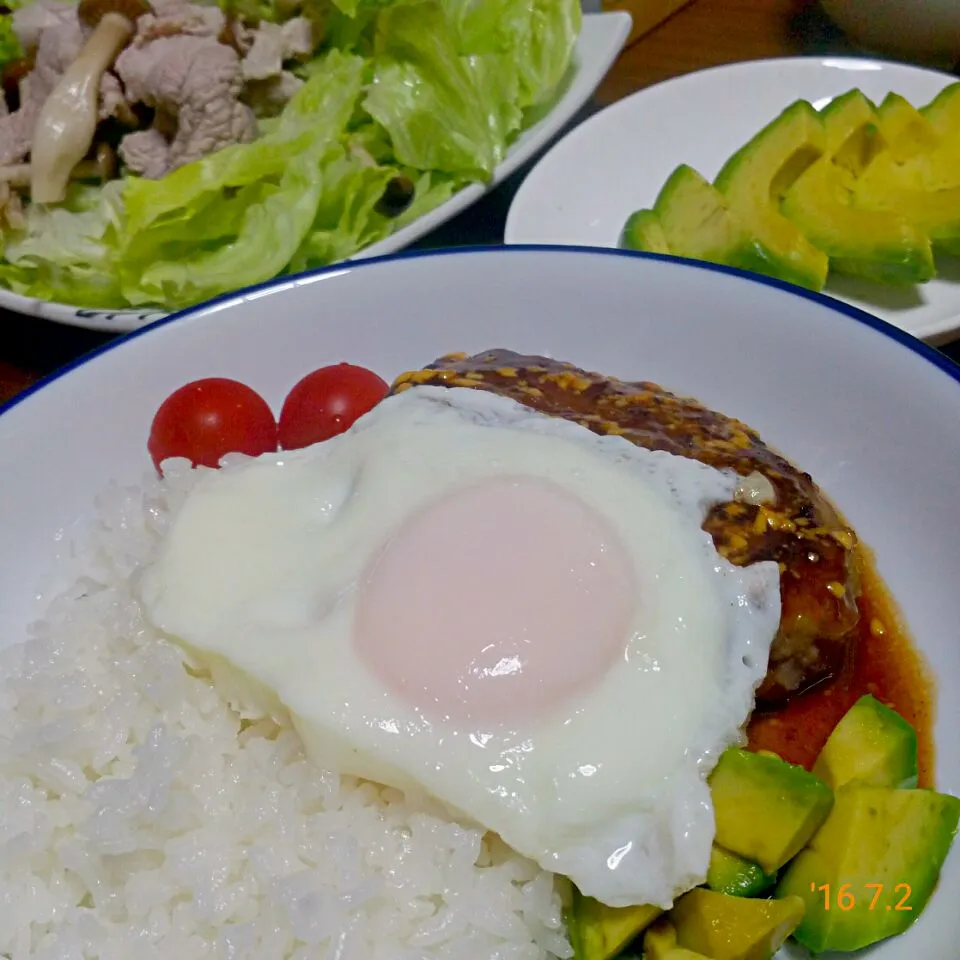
(875, 419)
(602, 37)
(584, 189)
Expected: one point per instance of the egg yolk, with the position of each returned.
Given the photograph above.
(499, 601)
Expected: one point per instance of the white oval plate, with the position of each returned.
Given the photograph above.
(601, 39)
(584, 189)
(876, 422)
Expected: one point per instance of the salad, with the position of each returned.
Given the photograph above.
(158, 154)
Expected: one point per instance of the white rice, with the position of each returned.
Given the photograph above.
(141, 817)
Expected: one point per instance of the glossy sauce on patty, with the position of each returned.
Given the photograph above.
(881, 661)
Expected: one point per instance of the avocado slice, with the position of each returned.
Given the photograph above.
(660, 943)
(873, 745)
(599, 932)
(877, 843)
(727, 873)
(733, 928)
(851, 133)
(643, 231)
(754, 180)
(943, 111)
(899, 188)
(917, 176)
(876, 245)
(697, 222)
(905, 130)
(765, 808)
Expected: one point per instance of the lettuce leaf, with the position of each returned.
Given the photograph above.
(67, 253)
(453, 77)
(537, 38)
(10, 48)
(442, 111)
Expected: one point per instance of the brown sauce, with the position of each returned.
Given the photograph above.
(882, 662)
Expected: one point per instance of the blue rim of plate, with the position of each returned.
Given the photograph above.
(907, 340)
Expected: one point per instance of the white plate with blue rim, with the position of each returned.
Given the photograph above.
(874, 420)
(602, 37)
(582, 191)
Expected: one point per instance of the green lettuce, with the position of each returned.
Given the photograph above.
(535, 39)
(431, 90)
(267, 193)
(443, 111)
(67, 253)
(10, 48)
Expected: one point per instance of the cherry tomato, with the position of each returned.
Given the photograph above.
(327, 402)
(207, 419)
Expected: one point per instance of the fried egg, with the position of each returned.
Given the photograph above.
(524, 620)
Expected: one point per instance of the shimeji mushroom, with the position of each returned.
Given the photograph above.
(102, 167)
(68, 120)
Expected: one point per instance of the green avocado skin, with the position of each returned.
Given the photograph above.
(727, 873)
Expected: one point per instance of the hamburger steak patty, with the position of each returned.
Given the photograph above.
(816, 551)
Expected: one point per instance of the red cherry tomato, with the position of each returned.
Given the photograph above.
(327, 402)
(207, 419)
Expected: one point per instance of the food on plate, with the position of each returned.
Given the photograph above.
(660, 943)
(778, 515)
(510, 717)
(910, 178)
(327, 402)
(880, 843)
(598, 932)
(766, 810)
(753, 181)
(338, 699)
(644, 231)
(736, 876)
(159, 154)
(855, 189)
(692, 218)
(734, 928)
(881, 245)
(872, 745)
(205, 420)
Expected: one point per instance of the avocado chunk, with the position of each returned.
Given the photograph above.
(875, 245)
(727, 873)
(754, 181)
(851, 133)
(927, 157)
(766, 809)
(943, 112)
(900, 188)
(872, 745)
(905, 130)
(875, 862)
(643, 231)
(733, 928)
(916, 177)
(660, 943)
(697, 222)
(599, 932)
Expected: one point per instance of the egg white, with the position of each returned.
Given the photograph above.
(260, 570)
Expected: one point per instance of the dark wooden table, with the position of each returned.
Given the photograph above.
(704, 34)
